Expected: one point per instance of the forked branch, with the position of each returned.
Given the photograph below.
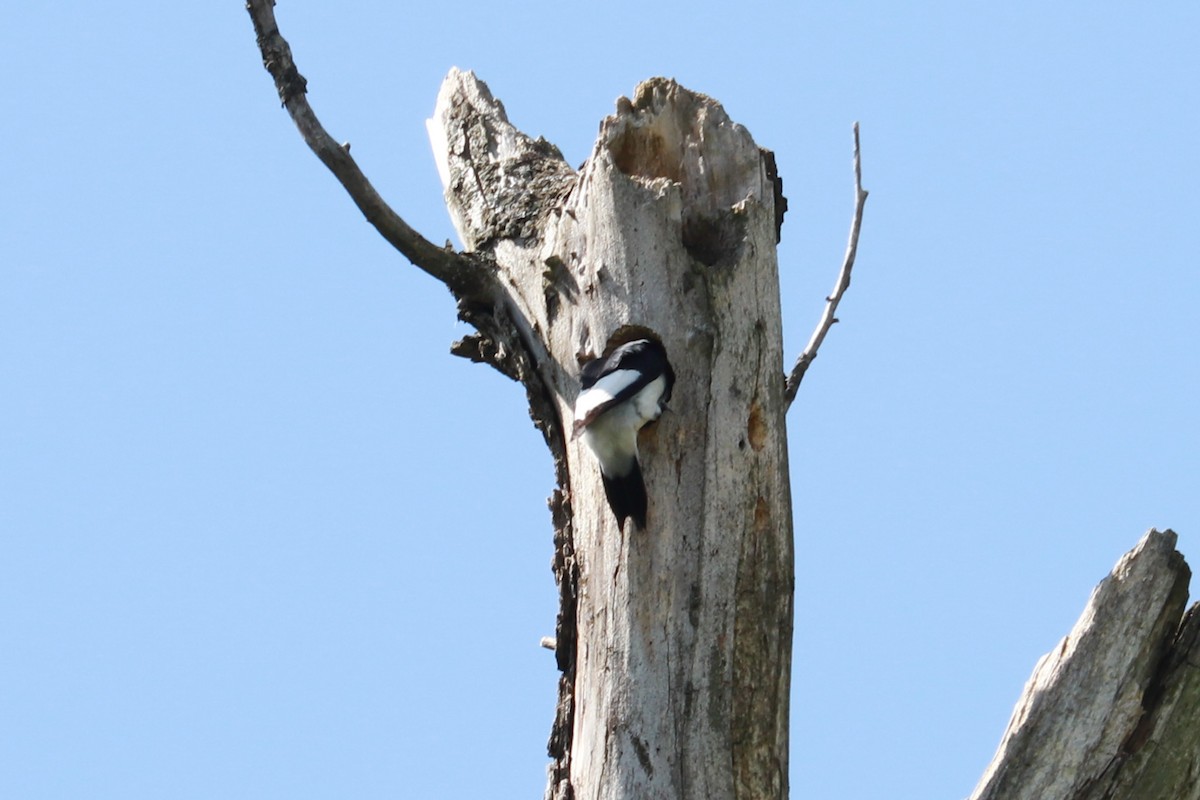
(503, 340)
(460, 273)
(792, 384)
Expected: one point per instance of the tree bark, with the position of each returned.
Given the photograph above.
(675, 641)
(1112, 712)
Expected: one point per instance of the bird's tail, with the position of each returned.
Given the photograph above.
(627, 495)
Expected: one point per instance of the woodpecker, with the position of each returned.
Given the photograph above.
(620, 394)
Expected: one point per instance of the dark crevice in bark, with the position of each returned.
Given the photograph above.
(1155, 739)
(715, 240)
(781, 204)
(500, 344)
(510, 185)
(566, 575)
(1174, 651)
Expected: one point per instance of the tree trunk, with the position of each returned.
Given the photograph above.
(674, 641)
(1113, 712)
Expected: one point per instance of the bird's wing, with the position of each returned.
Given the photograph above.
(606, 392)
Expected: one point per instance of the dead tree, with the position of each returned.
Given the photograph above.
(1113, 712)
(674, 642)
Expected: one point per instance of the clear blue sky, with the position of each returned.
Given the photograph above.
(261, 536)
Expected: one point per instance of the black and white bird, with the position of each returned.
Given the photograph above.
(620, 394)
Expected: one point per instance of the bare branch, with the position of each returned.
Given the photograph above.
(460, 273)
(843, 282)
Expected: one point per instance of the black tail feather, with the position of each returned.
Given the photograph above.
(627, 495)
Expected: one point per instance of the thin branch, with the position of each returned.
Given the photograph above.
(460, 273)
(843, 283)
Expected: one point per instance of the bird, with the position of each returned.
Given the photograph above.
(619, 395)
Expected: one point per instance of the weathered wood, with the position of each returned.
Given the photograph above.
(1161, 758)
(1110, 712)
(675, 643)
(677, 661)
